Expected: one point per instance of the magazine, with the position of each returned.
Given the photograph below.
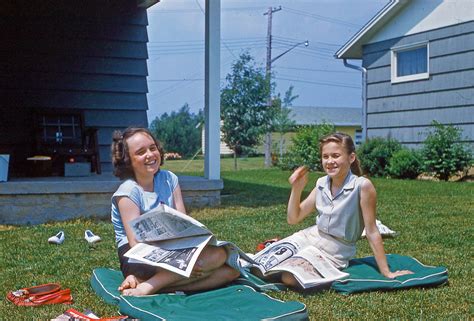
(307, 263)
(172, 240)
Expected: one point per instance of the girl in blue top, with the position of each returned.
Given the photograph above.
(137, 157)
(345, 203)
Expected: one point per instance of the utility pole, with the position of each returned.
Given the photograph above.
(268, 69)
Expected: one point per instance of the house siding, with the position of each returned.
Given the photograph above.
(91, 57)
(404, 111)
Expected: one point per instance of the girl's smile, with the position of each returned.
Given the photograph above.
(144, 155)
(335, 160)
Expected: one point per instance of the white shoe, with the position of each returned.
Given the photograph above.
(90, 237)
(57, 239)
(383, 230)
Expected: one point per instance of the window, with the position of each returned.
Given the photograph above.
(410, 62)
(358, 137)
(59, 128)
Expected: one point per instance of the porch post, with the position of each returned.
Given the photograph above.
(212, 107)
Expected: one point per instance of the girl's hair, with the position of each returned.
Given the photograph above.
(347, 142)
(120, 151)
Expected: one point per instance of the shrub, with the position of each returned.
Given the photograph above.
(405, 163)
(375, 154)
(443, 155)
(305, 148)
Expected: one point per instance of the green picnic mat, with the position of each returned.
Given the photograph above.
(364, 275)
(228, 303)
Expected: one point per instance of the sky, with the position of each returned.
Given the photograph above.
(176, 49)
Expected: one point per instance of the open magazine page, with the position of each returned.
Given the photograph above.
(274, 254)
(178, 256)
(163, 223)
(310, 268)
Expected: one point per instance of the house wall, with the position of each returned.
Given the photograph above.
(405, 111)
(87, 55)
(424, 15)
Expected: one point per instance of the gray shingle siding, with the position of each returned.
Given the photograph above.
(405, 110)
(91, 57)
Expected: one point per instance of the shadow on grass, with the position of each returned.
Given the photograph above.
(253, 194)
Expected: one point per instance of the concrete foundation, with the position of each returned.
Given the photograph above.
(48, 199)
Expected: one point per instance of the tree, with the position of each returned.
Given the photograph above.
(282, 123)
(244, 105)
(179, 131)
(443, 155)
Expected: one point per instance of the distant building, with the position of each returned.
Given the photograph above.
(419, 58)
(346, 119)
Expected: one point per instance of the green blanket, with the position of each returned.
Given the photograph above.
(365, 276)
(229, 303)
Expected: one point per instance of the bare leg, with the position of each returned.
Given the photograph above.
(219, 277)
(289, 280)
(211, 261)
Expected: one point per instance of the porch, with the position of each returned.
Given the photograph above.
(47, 199)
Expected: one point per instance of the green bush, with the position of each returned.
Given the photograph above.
(405, 163)
(443, 155)
(375, 154)
(305, 148)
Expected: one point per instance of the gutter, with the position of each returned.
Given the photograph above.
(364, 96)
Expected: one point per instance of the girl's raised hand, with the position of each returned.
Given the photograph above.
(299, 178)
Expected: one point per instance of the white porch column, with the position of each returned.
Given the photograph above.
(212, 107)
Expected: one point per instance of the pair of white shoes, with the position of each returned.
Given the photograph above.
(383, 230)
(90, 237)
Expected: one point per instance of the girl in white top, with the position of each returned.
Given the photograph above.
(345, 204)
(137, 156)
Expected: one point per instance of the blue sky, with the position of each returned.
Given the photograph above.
(176, 49)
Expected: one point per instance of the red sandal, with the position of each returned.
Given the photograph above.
(50, 293)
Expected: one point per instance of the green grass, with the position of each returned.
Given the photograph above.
(196, 166)
(434, 221)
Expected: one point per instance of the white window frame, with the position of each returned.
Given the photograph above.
(395, 50)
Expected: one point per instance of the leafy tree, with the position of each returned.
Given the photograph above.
(443, 155)
(244, 105)
(282, 123)
(179, 131)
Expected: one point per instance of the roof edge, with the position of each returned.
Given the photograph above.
(348, 50)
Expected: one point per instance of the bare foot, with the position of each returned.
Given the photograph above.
(141, 289)
(130, 282)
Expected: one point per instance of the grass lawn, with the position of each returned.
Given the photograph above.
(434, 221)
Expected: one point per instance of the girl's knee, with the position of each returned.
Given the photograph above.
(214, 256)
(289, 280)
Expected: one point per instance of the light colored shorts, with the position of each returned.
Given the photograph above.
(335, 250)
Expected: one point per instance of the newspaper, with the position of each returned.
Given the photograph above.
(307, 263)
(172, 240)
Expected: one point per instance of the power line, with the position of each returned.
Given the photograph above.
(317, 70)
(322, 18)
(319, 83)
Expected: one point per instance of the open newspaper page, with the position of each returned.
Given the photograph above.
(172, 240)
(311, 268)
(164, 223)
(234, 256)
(177, 255)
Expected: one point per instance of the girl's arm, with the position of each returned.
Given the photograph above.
(297, 210)
(128, 211)
(178, 200)
(368, 200)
